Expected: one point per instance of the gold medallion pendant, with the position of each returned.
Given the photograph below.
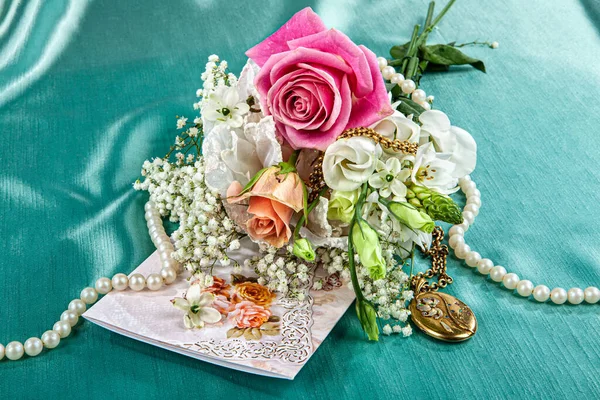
(440, 315)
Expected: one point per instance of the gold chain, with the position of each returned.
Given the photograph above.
(438, 253)
(401, 146)
(315, 180)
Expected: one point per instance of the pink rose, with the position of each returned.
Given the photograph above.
(249, 315)
(316, 82)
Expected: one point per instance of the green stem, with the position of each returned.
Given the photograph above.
(412, 260)
(293, 158)
(429, 28)
(428, 18)
(308, 210)
(351, 264)
(411, 47)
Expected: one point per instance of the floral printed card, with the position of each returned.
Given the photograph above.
(277, 334)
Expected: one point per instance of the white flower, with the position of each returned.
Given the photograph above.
(348, 163)
(181, 122)
(387, 329)
(193, 132)
(455, 144)
(432, 171)
(407, 331)
(390, 178)
(197, 306)
(397, 127)
(232, 155)
(225, 106)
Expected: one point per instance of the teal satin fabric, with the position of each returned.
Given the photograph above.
(89, 90)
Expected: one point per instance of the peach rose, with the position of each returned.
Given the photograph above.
(249, 315)
(272, 201)
(254, 292)
(222, 304)
(219, 287)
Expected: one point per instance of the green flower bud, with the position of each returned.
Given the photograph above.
(411, 216)
(341, 205)
(368, 318)
(438, 206)
(303, 249)
(366, 242)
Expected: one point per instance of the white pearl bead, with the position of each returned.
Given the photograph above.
(456, 230)
(77, 306)
(89, 295)
(473, 193)
(469, 217)
(120, 282)
(163, 247)
(397, 79)
(558, 295)
(103, 285)
(511, 281)
(51, 339)
(387, 72)
(70, 316)
(468, 185)
(408, 86)
(497, 273)
(33, 346)
(150, 215)
(418, 96)
(425, 105)
(465, 179)
(592, 295)
(575, 296)
(461, 251)
(472, 259)
(151, 223)
(484, 266)
(474, 200)
(455, 240)
(1, 352)
(382, 62)
(525, 288)
(149, 206)
(168, 274)
(170, 263)
(63, 328)
(464, 226)
(14, 351)
(472, 208)
(154, 281)
(137, 282)
(541, 293)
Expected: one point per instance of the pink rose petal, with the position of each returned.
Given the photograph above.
(305, 22)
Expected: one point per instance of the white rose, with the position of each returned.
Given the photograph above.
(397, 127)
(455, 144)
(348, 163)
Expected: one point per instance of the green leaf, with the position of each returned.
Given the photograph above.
(399, 52)
(408, 107)
(444, 54)
(254, 179)
(305, 202)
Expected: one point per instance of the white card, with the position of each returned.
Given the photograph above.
(151, 318)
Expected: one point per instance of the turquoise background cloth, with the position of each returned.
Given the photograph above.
(89, 90)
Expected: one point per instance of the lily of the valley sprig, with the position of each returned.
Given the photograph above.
(326, 156)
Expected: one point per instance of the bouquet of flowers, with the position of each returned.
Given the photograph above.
(326, 156)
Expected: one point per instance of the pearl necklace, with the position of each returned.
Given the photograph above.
(510, 281)
(136, 282)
